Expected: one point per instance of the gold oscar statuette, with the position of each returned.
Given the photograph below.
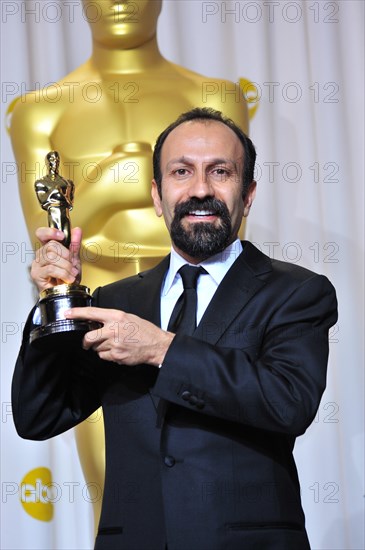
(55, 194)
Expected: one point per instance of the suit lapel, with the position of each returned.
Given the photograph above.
(239, 285)
(146, 295)
(146, 300)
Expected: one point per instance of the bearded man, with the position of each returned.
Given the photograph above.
(207, 366)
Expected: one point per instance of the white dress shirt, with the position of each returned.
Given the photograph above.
(216, 267)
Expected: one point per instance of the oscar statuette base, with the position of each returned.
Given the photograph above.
(54, 330)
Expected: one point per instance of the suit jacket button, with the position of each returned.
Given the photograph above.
(169, 461)
(200, 404)
(193, 400)
(186, 395)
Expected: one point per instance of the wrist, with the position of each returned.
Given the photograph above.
(162, 349)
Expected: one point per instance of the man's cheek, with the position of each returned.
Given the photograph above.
(167, 216)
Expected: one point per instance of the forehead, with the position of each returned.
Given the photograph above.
(198, 138)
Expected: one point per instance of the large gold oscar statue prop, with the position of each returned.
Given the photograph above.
(104, 118)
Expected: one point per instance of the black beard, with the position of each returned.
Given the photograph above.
(201, 239)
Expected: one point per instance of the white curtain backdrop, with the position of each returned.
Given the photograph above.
(307, 60)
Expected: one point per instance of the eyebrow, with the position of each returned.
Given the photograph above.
(211, 162)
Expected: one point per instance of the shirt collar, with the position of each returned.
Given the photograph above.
(217, 266)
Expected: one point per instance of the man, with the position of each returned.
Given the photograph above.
(201, 424)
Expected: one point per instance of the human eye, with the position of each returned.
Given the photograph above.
(180, 172)
(221, 172)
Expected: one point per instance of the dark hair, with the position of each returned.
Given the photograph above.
(204, 114)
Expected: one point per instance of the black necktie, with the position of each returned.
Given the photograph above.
(183, 317)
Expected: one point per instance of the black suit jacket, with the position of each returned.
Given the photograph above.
(199, 452)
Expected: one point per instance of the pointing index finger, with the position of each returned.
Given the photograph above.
(90, 313)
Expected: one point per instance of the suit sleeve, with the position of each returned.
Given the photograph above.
(54, 389)
(276, 387)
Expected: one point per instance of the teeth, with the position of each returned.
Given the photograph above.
(201, 213)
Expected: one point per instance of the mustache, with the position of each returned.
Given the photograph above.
(212, 204)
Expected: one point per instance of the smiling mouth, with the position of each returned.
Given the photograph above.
(201, 213)
(194, 210)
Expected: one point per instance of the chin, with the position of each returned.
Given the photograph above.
(189, 227)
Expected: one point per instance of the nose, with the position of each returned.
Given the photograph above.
(200, 186)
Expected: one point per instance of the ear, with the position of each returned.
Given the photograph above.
(250, 196)
(156, 199)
